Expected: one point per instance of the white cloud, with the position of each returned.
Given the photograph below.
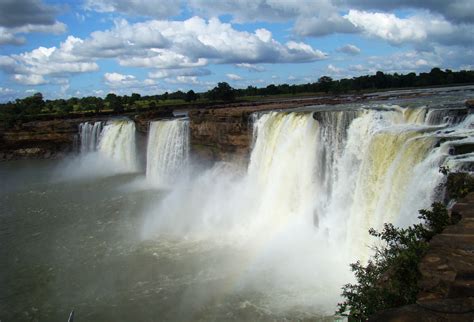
(183, 80)
(333, 69)
(126, 83)
(147, 8)
(234, 77)
(325, 24)
(17, 13)
(116, 79)
(9, 38)
(31, 79)
(457, 11)
(31, 67)
(12, 36)
(251, 10)
(251, 67)
(165, 73)
(400, 62)
(421, 28)
(194, 42)
(349, 49)
(6, 91)
(443, 22)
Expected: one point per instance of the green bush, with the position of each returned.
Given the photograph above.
(459, 184)
(390, 278)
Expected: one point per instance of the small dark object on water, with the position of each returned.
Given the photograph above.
(71, 317)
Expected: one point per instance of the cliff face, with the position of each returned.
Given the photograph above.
(225, 134)
(38, 139)
(54, 138)
(447, 274)
(220, 134)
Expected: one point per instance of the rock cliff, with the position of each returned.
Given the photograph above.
(447, 274)
(38, 139)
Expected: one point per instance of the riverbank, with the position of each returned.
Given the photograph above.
(217, 131)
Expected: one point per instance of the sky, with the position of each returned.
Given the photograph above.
(95, 47)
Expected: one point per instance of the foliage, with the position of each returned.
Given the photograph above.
(222, 92)
(34, 105)
(390, 278)
(459, 184)
(190, 96)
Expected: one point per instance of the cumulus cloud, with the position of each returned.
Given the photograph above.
(31, 79)
(158, 44)
(30, 67)
(321, 25)
(17, 13)
(183, 80)
(400, 62)
(251, 10)
(457, 11)
(126, 83)
(166, 73)
(349, 50)
(251, 67)
(117, 79)
(10, 35)
(444, 22)
(191, 43)
(8, 38)
(414, 29)
(156, 9)
(26, 16)
(234, 77)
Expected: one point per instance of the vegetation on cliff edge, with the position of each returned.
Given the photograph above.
(35, 105)
(390, 278)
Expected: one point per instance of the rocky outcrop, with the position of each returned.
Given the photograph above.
(218, 132)
(470, 104)
(54, 138)
(225, 133)
(38, 139)
(447, 274)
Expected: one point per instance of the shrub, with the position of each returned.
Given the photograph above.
(390, 278)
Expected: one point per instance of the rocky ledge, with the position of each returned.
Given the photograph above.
(225, 133)
(447, 274)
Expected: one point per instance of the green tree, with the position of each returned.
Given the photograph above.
(325, 83)
(114, 102)
(190, 96)
(31, 105)
(222, 92)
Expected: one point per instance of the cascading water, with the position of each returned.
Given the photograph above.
(167, 151)
(117, 145)
(89, 135)
(316, 182)
(105, 150)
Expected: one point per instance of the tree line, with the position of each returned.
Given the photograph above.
(223, 92)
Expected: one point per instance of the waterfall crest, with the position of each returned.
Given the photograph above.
(167, 150)
(89, 134)
(117, 145)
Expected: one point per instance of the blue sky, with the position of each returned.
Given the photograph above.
(94, 47)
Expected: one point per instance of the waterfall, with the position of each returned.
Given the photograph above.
(89, 135)
(167, 150)
(316, 182)
(445, 116)
(117, 146)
